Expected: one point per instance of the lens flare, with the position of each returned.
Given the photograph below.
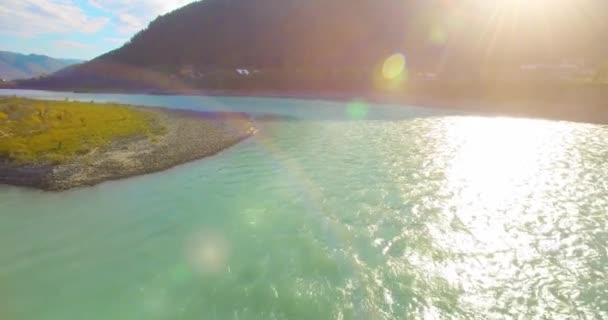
(208, 252)
(438, 35)
(357, 109)
(394, 66)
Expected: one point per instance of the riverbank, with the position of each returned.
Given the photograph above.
(172, 138)
(584, 105)
(556, 100)
(587, 102)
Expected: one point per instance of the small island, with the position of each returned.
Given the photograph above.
(59, 145)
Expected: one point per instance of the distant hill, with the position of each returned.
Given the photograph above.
(20, 66)
(338, 44)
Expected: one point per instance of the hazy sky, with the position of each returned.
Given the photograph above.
(80, 29)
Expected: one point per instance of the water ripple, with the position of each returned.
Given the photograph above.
(423, 218)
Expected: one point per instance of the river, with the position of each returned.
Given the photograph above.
(345, 210)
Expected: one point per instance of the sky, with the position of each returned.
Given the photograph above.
(76, 29)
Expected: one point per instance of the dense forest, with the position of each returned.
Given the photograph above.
(341, 44)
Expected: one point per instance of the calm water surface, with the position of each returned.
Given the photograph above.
(347, 211)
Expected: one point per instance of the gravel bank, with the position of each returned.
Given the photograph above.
(189, 136)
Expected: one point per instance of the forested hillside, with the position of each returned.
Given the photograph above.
(341, 43)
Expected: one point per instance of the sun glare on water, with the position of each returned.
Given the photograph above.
(501, 173)
(495, 155)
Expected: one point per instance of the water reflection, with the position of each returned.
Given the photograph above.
(515, 186)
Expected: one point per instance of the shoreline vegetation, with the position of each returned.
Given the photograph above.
(60, 145)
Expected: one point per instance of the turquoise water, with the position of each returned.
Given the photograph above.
(346, 211)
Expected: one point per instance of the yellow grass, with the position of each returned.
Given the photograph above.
(56, 131)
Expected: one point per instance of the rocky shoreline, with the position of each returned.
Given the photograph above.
(189, 136)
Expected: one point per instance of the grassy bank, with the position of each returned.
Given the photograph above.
(56, 131)
(59, 145)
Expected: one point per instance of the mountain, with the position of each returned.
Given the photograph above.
(338, 44)
(19, 66)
